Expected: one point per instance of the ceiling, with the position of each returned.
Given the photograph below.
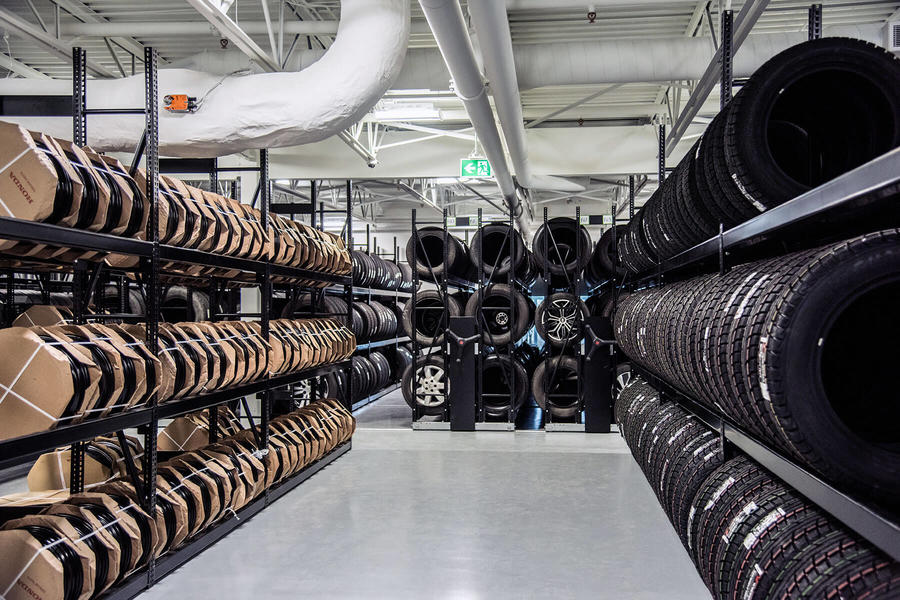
(630, 105)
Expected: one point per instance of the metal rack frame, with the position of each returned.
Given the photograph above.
(443, 283)
(481, 326)
(152, 254)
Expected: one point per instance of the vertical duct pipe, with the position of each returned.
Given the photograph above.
(494, 38)
(446, 20)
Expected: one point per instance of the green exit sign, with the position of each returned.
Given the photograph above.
(474, 167)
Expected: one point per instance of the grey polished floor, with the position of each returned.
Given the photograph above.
(430, 514)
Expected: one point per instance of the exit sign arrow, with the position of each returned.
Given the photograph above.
(474, 167)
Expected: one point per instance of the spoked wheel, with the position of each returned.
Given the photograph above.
(623, 378)
(425, 385)
(560, 319)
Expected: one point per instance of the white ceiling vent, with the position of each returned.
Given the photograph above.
(892, 36)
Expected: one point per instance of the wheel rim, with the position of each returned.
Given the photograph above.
(562, 318)
(430, 386)
(622, 380)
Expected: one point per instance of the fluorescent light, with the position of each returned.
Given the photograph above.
(445, 180)
(406, 111)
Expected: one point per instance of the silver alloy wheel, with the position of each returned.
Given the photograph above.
(622, 380)
(562, 316)
(431, 383)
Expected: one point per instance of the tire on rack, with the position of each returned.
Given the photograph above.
(134, 305)
(501, 374)
(564, 245)
(427, 257)
(604, 262)
(559, 374)
(779, 141)
(427, 378)
(499, 327)
(179, 304)
(499, 247)
(840, 310)
(560, 319)
(428, 326)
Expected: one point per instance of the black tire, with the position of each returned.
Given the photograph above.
(564, 245)
(502, 375)
(429, 370)
(496, 248)
(134, 305)
(606, 253)
(623, 378)
(498, 326)
(780, 142)
(560, 319)
(841, 310)
(429, 326)
(560, 376)
(427, 256)
(179, 304)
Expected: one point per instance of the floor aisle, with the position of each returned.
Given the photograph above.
(429, 514)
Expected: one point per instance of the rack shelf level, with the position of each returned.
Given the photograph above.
(381, 343)
(857, 188)
(871, 522)
(20, 450)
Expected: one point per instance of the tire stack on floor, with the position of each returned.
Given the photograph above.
(749, 535)
(82, 546)
(774, 141)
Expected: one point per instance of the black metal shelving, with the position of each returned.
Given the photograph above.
(152, 264)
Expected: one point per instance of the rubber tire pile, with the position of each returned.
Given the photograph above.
(108, 369)
(371, 320)
(195, 491)
(750, 536)
(371, 373)
(770, 345)
(372, 271)
(772, 142)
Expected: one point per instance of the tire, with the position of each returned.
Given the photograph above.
(176, 308)
(428, 329)
(606, 253)
(560, 319)
(430, 372)
(564, 381)
(428, 255)
(135, 304)
(623, 378)
(498, 326)
(775, 120)
(501, 375)
(496, 248)
(564, 245)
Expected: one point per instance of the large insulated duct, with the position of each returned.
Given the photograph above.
(448, 25)
(495, 40)
(265, 110)
(624, 60)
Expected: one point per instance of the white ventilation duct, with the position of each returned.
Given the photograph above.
(448, 25)
(623, 60)
(492, 27)
(266, 110)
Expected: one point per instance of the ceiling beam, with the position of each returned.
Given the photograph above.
(88, 16)
(744, 22)
(22, 28)
(19, 68)
(233, 32)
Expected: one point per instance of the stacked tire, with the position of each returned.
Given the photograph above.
(774, 141)
(425, 252)
(749, 535)
(775, 345)
(562, 249)
(372, 271)
(372, 320)
(498, 248)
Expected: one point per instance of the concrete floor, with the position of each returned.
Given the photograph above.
(433, 514)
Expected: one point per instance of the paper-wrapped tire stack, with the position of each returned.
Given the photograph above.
(53, 181)
(65, 374)
(79, 547)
